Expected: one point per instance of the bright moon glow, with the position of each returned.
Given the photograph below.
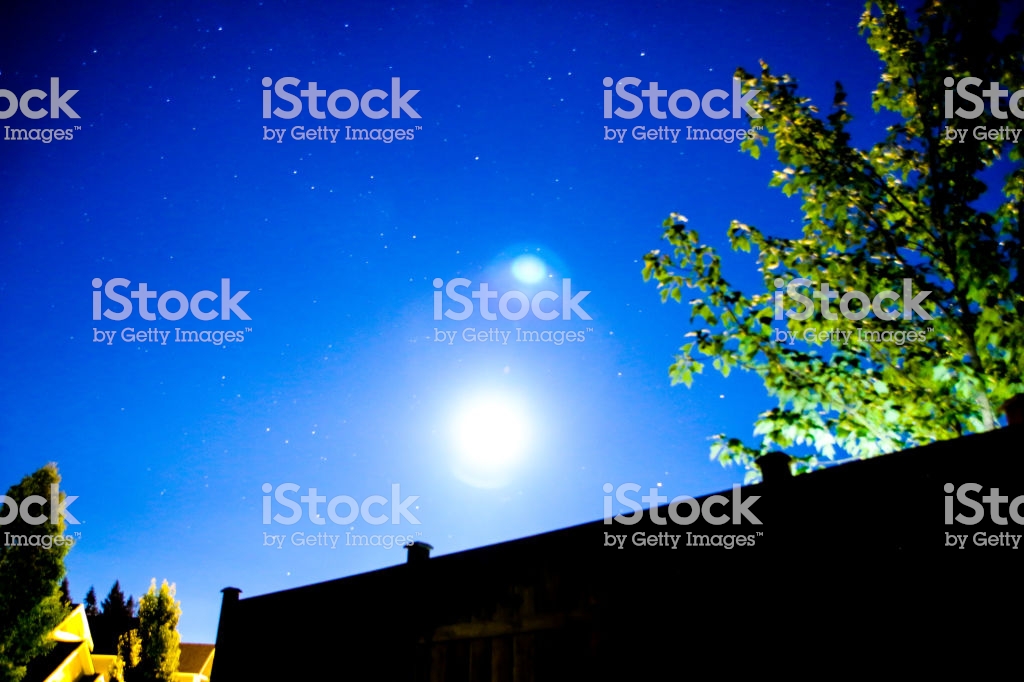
(491, 435)
(528, 269)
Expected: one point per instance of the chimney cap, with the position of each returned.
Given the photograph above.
(418, 551)
(774, 467)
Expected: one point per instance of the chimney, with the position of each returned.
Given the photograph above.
(227, 609)
(418, 551)
(774, 467)
(225, 630)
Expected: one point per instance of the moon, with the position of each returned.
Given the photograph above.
(491, 436)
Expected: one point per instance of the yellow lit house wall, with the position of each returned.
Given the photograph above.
(81, 663)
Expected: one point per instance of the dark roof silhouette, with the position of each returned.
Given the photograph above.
(567, 605)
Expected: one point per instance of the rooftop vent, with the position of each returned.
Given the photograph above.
(418, 551)
(774, 467)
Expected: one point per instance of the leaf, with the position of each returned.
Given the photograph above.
(868, 218)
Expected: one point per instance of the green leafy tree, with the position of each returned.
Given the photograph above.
(129, 655)
(912, 207)
(90, 603)
(31, 571)
(158, 633)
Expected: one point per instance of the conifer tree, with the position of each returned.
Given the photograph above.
(90, 603)
(65, 593)
(114, 605)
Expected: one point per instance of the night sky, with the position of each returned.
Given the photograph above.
(338, 382)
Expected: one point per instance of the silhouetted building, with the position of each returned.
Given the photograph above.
(594, 602)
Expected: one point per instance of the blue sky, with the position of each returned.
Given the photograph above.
(339, 384)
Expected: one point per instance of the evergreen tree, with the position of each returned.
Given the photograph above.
(114, 605)
(65, 593)
(90, 603)
(910, 214)
(31, 571)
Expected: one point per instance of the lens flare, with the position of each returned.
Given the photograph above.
(529, 269)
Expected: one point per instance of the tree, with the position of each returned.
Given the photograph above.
(31, 571)
(151, 653)
(129, 654)
(65, 594)
(911, 211)
(114, 605)
(90, 603)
